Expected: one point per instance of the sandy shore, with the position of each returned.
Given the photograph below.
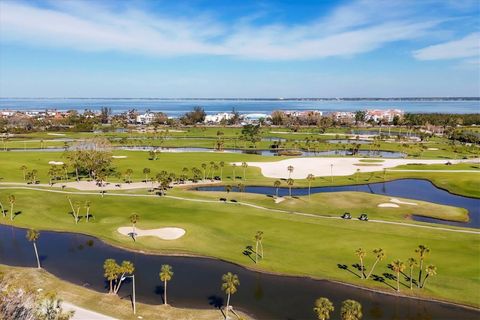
(169, 233)
(322, 167)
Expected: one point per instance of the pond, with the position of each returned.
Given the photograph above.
(196, 281)
(366, 153)
(406, 188)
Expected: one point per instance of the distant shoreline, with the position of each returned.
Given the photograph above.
(257, 99)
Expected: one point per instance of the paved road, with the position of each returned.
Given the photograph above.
(84, 314)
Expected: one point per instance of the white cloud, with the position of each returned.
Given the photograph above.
(349, 30)
(467, 47)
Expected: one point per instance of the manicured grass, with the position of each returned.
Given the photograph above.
(102, 303)
(296, 245)
(460, 183)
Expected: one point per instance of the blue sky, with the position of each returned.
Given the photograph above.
(239, 48)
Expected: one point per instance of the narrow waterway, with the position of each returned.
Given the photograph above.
(196, 281)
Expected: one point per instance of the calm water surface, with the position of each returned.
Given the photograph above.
(406, 188)
(196, 282)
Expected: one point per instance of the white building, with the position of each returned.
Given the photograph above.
(145, 118)
(386, 115)
(217, 118)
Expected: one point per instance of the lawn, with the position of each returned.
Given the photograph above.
(296, 245)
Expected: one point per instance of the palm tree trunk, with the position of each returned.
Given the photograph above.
(420, 274)
(165, 293)
(11, 212)
(290, 191)
(228, 306)
(36, 255)
(221, 174)
(261, 249)
(371, 270)
(111, 287)
(424, 281)
(256, 252)
(309, 186)
(277, 192)
(398, 281)
(76, 172)
(361, 266)
(134, 231)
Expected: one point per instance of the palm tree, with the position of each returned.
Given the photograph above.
(87, 208)
(384, 173)
(229, 285)
(322, 308)
(234, 166)
(166, 275)
(422, 251)
(11, 200)
(290, 170)
(244, 166)
(32, 236)
(276, 184)
(351, 310)
(146, 172)
(258, 241)
(411, 263)
(290, 184)
(398, 266)
(380, 254)
(134, 219)
(204, 167)
(24, 170)
(361, 253)
(221, 164)
(431, 270)
(310, 178)
(128, 175)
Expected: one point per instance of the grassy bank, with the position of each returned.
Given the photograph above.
(296, 245)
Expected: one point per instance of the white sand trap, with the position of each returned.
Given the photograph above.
(395, 200)
(280, 199)
(432, 149)
(56, 163)
(324, 167)
(169, 233)
(119, 157)
(56, 134)
(388, 205)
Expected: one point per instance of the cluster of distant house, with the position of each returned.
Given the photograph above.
(149, 116)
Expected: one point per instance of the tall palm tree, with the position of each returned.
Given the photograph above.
(87, 208)
(166, 275)
(290, 170)
(204, 167)
(411, 263)
(258, 241)
(322, 308)
(134, 219)
(398, 266)
(32, 236)
(234, 166)
(431, 270)
(276, 184)
(229, 285)
(290, 184)
(221, 165)
(351, 310)
(422, 252)
(310, 178)
(361, 253)
(128, 175)
(24, 171)
(244, 166)
(379, 254)
(146, 172)
(11, 200)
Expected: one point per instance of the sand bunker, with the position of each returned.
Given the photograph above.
(169, 233)
(56, 163)
(395, 200)
(388, 205)
(432, 149)
(56, 134)
(119, 157)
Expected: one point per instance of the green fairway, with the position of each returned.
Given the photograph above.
(297, 245)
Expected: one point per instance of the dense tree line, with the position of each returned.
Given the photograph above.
(442, 119)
